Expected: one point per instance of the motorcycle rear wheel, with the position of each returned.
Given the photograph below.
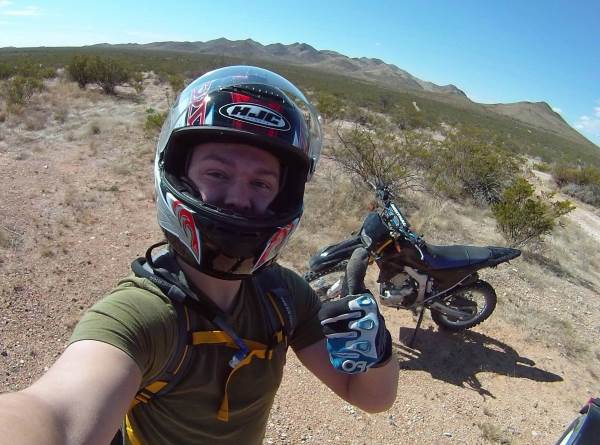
(478, 299)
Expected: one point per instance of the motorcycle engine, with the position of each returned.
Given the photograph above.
(400, 291)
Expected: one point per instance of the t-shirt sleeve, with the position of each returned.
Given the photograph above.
(135, 320)
(307, 303)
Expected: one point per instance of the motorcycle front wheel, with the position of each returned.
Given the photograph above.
(477, 301)
(324, 281)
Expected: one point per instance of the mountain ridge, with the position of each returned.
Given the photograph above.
(536, 115)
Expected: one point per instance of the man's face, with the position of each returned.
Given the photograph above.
(233, 176)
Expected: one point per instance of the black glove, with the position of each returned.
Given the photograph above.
(357, 338)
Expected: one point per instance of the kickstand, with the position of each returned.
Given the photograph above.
(414, 336)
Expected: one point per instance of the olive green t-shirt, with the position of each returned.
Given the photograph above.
(139, 319)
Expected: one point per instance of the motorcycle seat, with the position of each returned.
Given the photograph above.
(452, 257)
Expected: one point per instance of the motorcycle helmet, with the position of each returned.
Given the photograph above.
(237, 104)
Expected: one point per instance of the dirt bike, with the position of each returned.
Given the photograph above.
(413, 274)
(585, 429)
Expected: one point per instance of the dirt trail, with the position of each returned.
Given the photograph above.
(586, 216)
(76, 206)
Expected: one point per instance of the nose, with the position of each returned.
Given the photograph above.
(238, 198)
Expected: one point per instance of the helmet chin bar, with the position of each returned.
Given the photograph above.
(214, 264)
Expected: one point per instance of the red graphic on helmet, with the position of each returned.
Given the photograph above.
(197, 107)
(186, 220)
(276, 242)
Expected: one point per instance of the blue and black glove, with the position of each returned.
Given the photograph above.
(357, 338)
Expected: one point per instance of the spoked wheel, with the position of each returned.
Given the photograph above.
(323, 281)
(476, 302)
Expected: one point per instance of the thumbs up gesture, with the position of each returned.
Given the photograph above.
(357, 338)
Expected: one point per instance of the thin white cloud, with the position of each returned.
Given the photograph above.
(590, 124)
(29, 11)
(4, 3)
(556, 110)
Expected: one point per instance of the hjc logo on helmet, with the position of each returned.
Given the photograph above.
(255, 114)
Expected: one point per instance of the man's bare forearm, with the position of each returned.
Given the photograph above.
(375, 390)
(27, 420)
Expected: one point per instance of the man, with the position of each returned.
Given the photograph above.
(232, 160)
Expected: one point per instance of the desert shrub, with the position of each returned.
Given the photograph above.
(79, 70)
(107, 72)
(407, 117)
(582, 183)
(26, 68)
(588, 193)
(329, 105)
(154, 120)
(19, 89)
(565, 174)
(176, 81)
(470, 163)
(543, 167)
(6, 71)
(372, 153)
(522, 217)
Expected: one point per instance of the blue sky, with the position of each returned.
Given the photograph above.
(495, 51)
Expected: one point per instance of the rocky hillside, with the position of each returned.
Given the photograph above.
(537, 115)
(304, 54)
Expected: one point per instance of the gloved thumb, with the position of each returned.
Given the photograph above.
(354, 281)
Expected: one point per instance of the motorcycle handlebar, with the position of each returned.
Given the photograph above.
(393, 215)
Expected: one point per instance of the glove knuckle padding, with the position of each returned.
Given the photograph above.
(352, 326)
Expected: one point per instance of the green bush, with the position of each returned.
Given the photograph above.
(329, 106)
(565, 174)
(27, 68)
(19, 89)
(154, 120)
(522, 217)
(407, 118)
(79, 70)
(471, 163)
(582, 183)
(107, 72)
(176, 81)
(543, 167)
(6, 71)
(373, 153)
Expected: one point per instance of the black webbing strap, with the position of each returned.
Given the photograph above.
(270, 281)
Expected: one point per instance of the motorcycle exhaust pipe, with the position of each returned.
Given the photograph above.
(448, 311)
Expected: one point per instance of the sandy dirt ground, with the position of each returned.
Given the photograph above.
(76, 206)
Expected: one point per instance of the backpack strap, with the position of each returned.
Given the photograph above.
(276, 302)
(181, 357)
(270, 286)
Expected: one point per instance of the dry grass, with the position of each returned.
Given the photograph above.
(122, 167)
(334, 208)
(551, 330)
(443, 221)
(576, 252)
(35, 119)
(94, 128)
(61, 115)
(6, 237)
(494, 433)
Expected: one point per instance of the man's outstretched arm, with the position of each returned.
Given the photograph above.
(82, 399)
(372, 391)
